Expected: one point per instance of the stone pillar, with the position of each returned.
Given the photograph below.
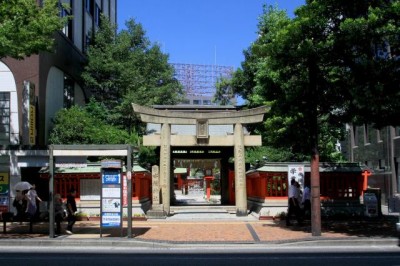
(165, 166)
(240, 172)
(155, 184)
(157, 209)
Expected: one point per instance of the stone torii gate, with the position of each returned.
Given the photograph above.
(202, 120)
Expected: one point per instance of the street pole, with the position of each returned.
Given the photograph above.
(129, 185)
(51, 192)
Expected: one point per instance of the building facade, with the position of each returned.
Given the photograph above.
(34, 89)
(379, 150)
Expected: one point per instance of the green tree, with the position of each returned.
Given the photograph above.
(258, 155)
(333, 63)
(370, 46)
(224, 92)
(77, 125)
(27, 28)
(125, 68)
(88, 125)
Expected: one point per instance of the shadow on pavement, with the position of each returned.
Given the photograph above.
(383, 227)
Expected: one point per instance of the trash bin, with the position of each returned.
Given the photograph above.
(370, 204)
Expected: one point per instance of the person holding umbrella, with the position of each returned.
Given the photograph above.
(21, 200)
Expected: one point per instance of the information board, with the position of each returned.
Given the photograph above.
(111, 197)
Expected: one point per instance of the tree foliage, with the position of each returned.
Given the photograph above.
(27, 28)
(334, 62)
(89, 125)
(81, 125)
(224, 92)
(125, 68)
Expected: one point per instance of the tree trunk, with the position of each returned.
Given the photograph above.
(315, 195)
(314, 130)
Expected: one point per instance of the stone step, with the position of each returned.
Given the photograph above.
(203, 209)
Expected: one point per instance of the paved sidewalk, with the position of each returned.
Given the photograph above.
(206, 225)
(208, 232)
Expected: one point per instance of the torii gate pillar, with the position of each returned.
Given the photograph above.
(240, 172)
(165, 166)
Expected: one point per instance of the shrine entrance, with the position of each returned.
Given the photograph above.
(201, 176)
(192, 134)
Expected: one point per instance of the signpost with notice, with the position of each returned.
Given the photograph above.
(111, 194)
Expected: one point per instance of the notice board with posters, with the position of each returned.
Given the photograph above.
(111, 194)
(4, 192)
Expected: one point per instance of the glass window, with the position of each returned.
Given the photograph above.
(379, 135)
(89, 6)
(197, 102)
(355, 135)
(97, 15)
(68, 92)
(367, 134)
(67, 30)
(4, 117)
(186, 101)
(207, 102)
(87, 42)
(382, 164)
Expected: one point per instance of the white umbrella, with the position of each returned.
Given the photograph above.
(21, 186)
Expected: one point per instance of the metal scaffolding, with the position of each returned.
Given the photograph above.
(199, 80)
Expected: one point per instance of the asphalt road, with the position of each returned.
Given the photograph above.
(236, 256)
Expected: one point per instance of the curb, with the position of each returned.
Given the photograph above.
(141, 243)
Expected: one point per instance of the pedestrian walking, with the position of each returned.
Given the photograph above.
(293, 203)
(59, 212)
(71, 210)
(32, 200)
(307, 201)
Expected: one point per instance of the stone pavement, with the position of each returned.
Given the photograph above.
(213, 231)
(211, 225)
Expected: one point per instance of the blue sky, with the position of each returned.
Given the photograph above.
(200, 31)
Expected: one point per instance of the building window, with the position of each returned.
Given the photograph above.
(397, 132)
(367, 134)
(207, 102)
(89, 6)
(87, 42)
(5, 117)
(355, 135)
(97, 15)
(186, 101)
(379, 135)
(67, 30)
(68, 92)
(382, 164)
(197, 102)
